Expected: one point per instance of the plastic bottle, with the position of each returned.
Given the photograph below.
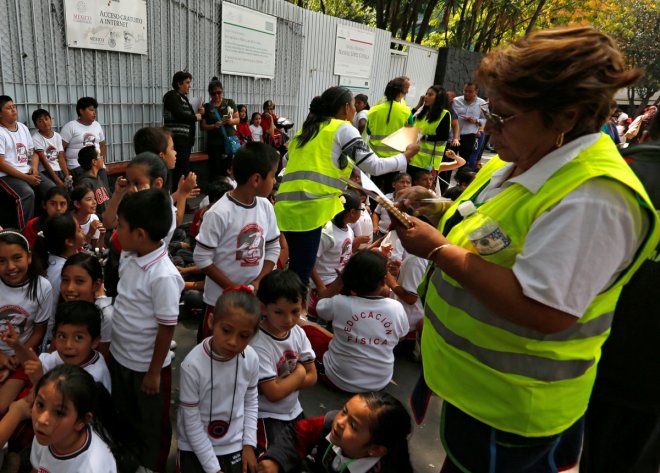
(488, 238)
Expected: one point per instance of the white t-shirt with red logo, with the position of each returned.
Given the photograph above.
(334, 251)
(52, 147)
(238, 239)
(16, 147)
(23, 313)
(278, 357)
(79, 136)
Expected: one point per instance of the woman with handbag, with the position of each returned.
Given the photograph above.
(220, 117)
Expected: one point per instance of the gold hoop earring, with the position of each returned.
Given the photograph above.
(560, 140)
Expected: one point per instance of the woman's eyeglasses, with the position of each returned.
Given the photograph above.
(498, 120)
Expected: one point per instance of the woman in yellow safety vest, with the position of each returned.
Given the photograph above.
(383, 120)
(435, 121)
(321, 154)
(526, 268)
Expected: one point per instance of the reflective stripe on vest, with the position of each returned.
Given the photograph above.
(316, 177)
(430, 152)
(508, 376)
(379, 128)
(309, 193)
(536, 367)
(458, 297)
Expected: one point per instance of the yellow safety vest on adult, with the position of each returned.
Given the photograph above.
(511, 377)
(430, 151)
(379, 128)
(308, 195)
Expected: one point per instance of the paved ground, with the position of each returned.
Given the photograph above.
(426, 451)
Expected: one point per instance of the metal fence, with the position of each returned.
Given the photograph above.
(38, 70)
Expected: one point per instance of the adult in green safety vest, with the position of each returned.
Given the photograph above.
(523, 283)
(433, 117)
(383, 120)
(321, 154)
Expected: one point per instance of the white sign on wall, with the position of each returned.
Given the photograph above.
(354, 52)
(111, 25)
(247, 46)
(357, 85)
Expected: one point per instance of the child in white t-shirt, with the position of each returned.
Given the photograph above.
(84, 210)
(334, 251)
(76, 335)
(217, 420)
(359, 357)
(380, 217)
(49, 148)
(67, 399)
(286, 359)
(85, 131)
(255, 128)
(239, 241)
(143, 323)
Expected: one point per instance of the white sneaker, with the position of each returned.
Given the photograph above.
(173, 345)
(173, 354)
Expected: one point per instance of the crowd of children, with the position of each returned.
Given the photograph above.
(86, 334)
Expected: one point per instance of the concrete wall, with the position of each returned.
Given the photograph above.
(456, 67)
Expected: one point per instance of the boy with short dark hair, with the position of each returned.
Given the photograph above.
(76, 336)
(91, 162)
(423, 178)
(85, 131)
(19, 165)
(286, 358)
(48, 146)
(146, 311)
(238, 242)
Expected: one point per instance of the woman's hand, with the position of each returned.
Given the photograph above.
(411, 150)
(419, 239)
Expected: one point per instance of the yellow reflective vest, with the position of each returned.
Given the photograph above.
(379, 128)
(508, 376)
(430, 152)
(308, 196)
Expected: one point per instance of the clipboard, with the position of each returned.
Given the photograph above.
(400, 139)
(372, 190)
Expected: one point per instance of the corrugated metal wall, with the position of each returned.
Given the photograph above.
(38, 70)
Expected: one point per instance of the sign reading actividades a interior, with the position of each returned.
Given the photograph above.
(247, 46)
(114, 25)
(354, 52)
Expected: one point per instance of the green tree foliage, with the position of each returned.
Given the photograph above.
(635, 25)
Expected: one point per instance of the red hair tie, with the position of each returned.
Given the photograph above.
(249, 289)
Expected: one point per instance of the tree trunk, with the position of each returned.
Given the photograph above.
(535, 17)
(428, 12)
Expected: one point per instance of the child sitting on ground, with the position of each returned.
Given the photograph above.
(84, 210)
(92, 165)
(334, 250)
(56, 201)
(380, 217)
(286, 359)
(146, 311)
(369, 434)
(366, 325)
(217, 421)
(76, 335)
(238, 242)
